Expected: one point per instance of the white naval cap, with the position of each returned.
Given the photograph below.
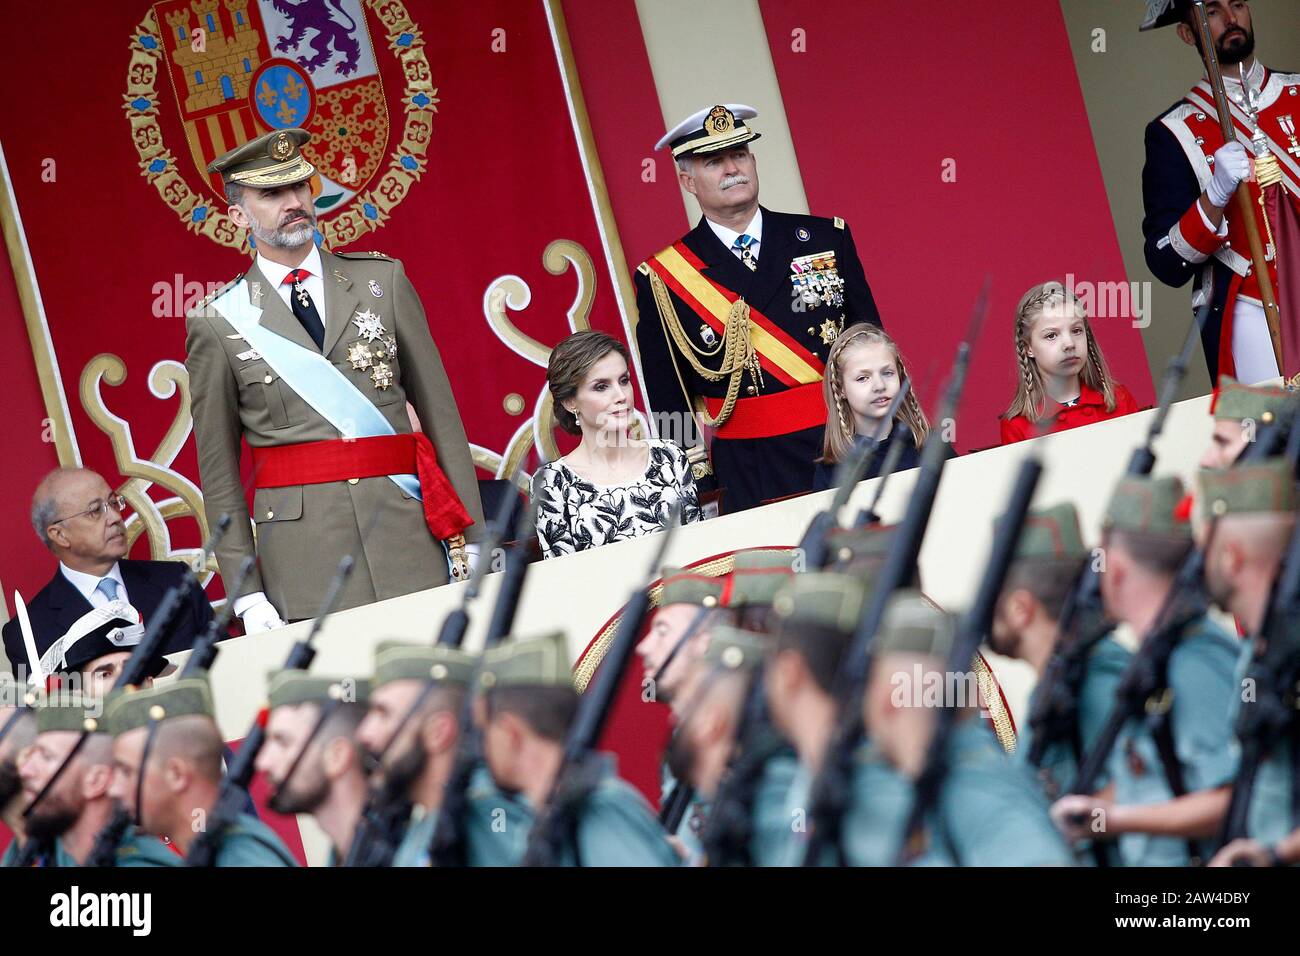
(712, 128)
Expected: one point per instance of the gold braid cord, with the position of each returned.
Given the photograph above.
(736, 349)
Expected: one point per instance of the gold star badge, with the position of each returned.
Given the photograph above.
(830, 331)
(382, 376)
(359, 355)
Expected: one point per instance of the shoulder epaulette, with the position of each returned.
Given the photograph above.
(839, 223)
(364, 255)
(215, 293)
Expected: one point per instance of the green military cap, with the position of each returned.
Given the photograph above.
(850, 545)
(1051, 533)
(1164, 13)
(1264, 404)
(1148, 505)
(1263, 488)
(67, 710)
(711, 129)
(731, 648)
(913, 625)
(127, 710)
(395, 660)
(273, 159)
(285, 688)
(686, 587)
(823, 598)
(758, 575)
(528, 661)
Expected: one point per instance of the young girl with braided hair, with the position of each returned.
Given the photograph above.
(1063, 378)
(864, 371)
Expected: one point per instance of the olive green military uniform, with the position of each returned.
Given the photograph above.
(1264, 488)
(1200, 677)
(304, 530)
(615, 826)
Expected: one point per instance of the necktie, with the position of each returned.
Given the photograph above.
(108, 588)
(742, 244)
(304, 308)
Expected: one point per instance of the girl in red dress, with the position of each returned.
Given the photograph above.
(1063, 378)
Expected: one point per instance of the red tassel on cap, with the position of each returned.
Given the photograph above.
(1183, 510)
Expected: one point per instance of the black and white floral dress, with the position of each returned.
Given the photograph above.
(573, 514)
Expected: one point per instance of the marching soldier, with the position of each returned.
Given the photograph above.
(736, 317)
(1240, 412)
(17, 730)
(1049, 556)
(815, 615)
(988, 813)
(309, 758)
(1146, 538)
(744, 596)
(412, 728)
(79, 806)
(529, 703)
(704, 750)
(1193, 228)
(311, 357)
(1256, 510)
(167, 751)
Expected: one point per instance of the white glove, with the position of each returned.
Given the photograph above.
(1231, 169)
(261, 616)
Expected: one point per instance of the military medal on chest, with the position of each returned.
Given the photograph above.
(1288, 129)
(374, 346)
(816, 280)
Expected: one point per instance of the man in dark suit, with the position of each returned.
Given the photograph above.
(737, 317)
(79, 519)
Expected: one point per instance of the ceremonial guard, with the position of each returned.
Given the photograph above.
(738, 316)
(1195, 230)
(312, 358)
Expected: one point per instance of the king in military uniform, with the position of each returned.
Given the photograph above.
(737, 316)
(312, 358)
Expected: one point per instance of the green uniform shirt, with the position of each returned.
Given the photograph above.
(1201, 676)
(1103, 671)
(617, 827)
(138, 849)
(772, 825)
(497, 829)
(1104, 668)
(11, 854)
(250, 842)
(1270, 817)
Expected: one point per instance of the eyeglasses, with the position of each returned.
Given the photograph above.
(96, 511)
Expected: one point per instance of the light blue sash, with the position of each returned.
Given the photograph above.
(311, 375)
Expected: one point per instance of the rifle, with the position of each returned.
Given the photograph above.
(387, 813)
(831, 787)
(870, 515)
(1275, 671)
(847, 475)
(975, 624)
(134, 671)
(234, 786)
(449, 846)
(555, 826)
